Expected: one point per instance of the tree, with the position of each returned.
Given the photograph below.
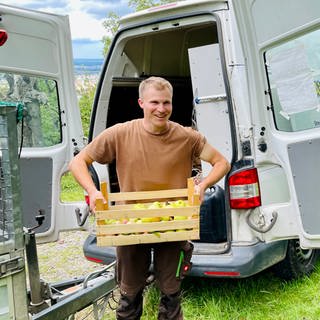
(111, 24)
(86, 93)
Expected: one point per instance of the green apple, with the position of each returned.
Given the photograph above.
(179, 203)
(139, 206)
(180, 217)
(110, 221)
(155, 205)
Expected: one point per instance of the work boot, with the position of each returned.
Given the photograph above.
(130, 307)
(170, 307)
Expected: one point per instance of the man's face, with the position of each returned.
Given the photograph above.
(157, 108)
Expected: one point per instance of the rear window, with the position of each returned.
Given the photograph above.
(293, 69)
(41, 125)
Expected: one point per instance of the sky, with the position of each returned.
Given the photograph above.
(85, 16)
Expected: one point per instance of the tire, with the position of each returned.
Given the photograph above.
(297, 263)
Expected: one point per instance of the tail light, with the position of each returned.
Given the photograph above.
(244, 189)
(3, 37)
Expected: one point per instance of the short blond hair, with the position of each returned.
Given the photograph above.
(156, 82)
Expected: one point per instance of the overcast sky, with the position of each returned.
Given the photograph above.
(86, 17)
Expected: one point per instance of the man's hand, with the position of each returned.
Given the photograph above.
(200, 190)
(220, 167)
(93, 196)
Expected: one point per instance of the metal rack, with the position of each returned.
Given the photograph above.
(42, 300)
(12, 265)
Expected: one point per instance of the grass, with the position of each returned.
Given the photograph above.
(261, 297)
(70, 189)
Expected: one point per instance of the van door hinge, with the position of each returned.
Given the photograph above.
(11, 266)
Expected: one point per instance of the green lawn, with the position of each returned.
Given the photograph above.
(261, 297)
(70, 189)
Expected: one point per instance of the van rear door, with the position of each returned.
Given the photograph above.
(280, 40)
(36, 68)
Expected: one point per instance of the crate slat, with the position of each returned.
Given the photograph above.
(147, 227)
(141, 213)
(147, 238)
(147, 195)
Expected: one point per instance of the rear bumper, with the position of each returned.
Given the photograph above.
(103, 255)
(239, 262)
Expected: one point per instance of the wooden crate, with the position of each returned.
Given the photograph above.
(118, 225)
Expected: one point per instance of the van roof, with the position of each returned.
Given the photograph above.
(186, 6)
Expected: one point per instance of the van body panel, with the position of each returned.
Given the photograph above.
(36, 68)
(279, 36)
(240, 261)
(170, 10)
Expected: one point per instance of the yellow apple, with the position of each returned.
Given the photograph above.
(150, 219)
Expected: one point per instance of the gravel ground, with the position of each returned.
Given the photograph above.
(63, 260)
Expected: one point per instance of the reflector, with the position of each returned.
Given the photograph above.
(3, 37)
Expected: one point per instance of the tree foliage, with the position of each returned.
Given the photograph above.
(86, 93)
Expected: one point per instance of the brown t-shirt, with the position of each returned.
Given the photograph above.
(148, 161)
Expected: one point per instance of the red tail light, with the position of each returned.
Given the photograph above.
(3, 37)
(244, 189)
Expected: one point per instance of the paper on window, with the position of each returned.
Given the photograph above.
(294, 80)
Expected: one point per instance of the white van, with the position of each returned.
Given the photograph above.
(245, 73)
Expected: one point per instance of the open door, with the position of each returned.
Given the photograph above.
(36, 69)
(280, 40)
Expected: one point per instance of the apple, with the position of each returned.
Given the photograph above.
(155, 205)
(150, 219)
(180, 218)
(179, 203)
(139, 206)
(111, 221)
(124, 221)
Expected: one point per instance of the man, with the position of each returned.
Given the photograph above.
(152, 153)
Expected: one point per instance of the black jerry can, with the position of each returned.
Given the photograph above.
(213, 216)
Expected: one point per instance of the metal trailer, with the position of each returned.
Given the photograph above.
(42, 300)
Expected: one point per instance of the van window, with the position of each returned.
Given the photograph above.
(293, 69)
(41, 125)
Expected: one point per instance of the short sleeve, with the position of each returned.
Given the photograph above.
(102, 149)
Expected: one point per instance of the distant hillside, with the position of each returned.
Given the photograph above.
(87, 66)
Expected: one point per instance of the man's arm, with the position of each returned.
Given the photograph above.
(79, 168)
(220, 167)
